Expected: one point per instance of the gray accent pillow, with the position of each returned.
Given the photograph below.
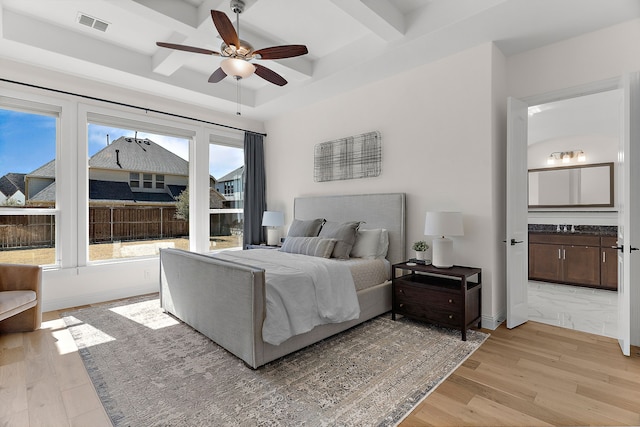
(313, 246)
(305, 228)
(345, 235)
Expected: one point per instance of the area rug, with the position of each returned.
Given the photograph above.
(151, 370)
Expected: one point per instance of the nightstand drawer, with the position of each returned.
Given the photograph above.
(429, 313)
(436, 299)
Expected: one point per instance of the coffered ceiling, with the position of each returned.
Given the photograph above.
(351, 42)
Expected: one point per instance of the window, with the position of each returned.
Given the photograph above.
(28, 214)
(134, 213)
(226, 196)
(134, 179)
(147, 179)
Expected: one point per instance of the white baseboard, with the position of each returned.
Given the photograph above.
(492, 323)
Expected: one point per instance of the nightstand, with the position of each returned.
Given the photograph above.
(443, 296)
(262, 247)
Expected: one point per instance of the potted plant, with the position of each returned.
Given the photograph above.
(420, 247)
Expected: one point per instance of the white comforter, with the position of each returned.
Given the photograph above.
(301, 291)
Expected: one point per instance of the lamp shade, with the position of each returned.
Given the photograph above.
(443, 224)
(237, 68)
(272, 219)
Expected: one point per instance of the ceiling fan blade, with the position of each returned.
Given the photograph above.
(225, 28)
(279, 52)
(270, 75)
(187, 48)
(217, 75)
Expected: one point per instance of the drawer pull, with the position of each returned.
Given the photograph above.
(401, 291)
(451, 316)
(450, 301)
(401, 305)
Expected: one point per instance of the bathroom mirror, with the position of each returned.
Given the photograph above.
(582, 186)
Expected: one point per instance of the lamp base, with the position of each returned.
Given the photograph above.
(273, 235)
(442, 252)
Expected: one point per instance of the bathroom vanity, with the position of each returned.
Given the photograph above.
(583, 258)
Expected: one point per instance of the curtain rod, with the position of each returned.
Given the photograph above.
(122, 104)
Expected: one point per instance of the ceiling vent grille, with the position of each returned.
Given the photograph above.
(92, 22)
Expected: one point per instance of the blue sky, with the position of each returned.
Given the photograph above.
(27, 141)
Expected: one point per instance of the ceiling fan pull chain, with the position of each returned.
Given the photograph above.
(238, 93)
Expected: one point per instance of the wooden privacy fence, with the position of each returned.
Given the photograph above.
(25, 231)
(112, 224)
(108, 224)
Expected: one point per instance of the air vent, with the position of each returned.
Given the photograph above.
(92, 22)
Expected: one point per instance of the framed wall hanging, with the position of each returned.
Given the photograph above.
(358, 156)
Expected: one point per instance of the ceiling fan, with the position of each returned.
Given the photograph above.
(239, 53)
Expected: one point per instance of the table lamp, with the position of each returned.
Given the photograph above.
(443, 224)
(272, 220)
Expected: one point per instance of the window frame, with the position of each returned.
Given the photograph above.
(226, 140)
(91, 114)
(47, 107)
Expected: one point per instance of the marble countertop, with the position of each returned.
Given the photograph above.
(587, 230)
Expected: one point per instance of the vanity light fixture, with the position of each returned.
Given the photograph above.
(566, 156)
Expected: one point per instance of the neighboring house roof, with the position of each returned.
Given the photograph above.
(109, 190)
(234, 174)
(47, 194)
(154, 197)
(139, 155)
(48, 170)
(175, 190)
(215, 199)
(11, 183)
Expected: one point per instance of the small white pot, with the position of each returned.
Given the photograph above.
(421, 255)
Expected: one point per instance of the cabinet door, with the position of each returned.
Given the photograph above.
(582, 265)
(545, 262)
(609, 268)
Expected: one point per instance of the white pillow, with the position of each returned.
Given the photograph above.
(366, 244)
(383, 246)
(371, 244)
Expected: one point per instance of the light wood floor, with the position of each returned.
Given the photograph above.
(534, 375)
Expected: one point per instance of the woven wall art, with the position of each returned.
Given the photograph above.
(358, 156)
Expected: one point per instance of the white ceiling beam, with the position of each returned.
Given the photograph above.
(90, 56)
(379, 16)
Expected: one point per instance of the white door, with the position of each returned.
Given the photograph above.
(628, 208)
(517, 222)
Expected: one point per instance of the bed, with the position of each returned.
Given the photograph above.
(225, 298)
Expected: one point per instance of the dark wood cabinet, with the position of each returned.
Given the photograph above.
(442, 296)
(609, 263)
(545, 262)
(571, 259)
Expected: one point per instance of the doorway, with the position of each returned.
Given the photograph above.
(557, 132)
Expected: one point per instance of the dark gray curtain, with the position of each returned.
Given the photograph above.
(254, 188)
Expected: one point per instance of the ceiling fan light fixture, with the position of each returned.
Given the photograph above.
(232, 51)
(237, 68)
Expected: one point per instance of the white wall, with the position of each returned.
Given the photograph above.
(438, 135)
(589, 58)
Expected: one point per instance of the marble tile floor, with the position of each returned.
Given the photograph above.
(574, 307)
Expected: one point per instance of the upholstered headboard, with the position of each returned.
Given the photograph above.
(385, 210)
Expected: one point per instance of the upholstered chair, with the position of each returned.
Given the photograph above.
(20, 298)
